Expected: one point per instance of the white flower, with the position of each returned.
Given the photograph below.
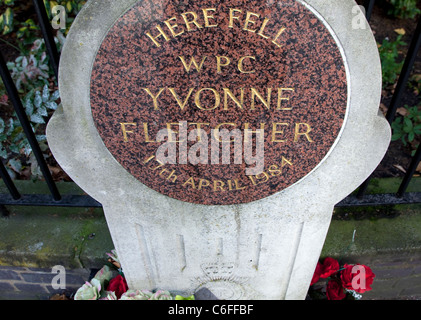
(136, 295)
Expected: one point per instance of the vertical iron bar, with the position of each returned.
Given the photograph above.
(47, 33)
(400, 87)
(405, 73)
(20, 112)
(410, 173)
(369, 6)
(9, 182)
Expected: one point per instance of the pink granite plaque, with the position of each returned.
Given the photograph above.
(207, 65)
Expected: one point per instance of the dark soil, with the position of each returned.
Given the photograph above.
(383, 26)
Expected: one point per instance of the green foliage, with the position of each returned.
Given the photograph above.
(389, 56)
(27, 32)
(407, 128)
(404, 8)
(12, 137)
(7, 21)
(32, 76)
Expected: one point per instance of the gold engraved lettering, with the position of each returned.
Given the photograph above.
(262, 29)
(277, 36)
(160, 34)
(190, 181)
(124, 129)
(203, 183)
(189, 23)
(282, 98)
(275, 131)
(297, 133)
(285, 162)
(149, 159)
(228, 92)
(266, 102)
(172, 177)
(160, 165)
(218, 184)
(235, 186)
(240, 64)
(220, 64)
(145, 129)
(248, 20)
(198, 103)
(232, 17)
(206, 16)
(181, 103)
(192, 61)
(173, 27)
(274, 170)
(154, 97)
(247, 131)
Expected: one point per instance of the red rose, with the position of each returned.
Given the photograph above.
(329, 267)
(357, 277)
(316, 275)
(334, 290)
(118, 285)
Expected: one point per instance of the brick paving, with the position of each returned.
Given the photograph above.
(22, 283)
(398, 277)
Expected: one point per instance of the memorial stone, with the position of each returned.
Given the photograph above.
(219, 135)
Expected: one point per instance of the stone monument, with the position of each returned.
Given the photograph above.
(219, 135)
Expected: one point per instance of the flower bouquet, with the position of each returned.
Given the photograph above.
(346, 282)
(109, 284)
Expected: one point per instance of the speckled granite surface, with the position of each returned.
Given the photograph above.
(283, 45)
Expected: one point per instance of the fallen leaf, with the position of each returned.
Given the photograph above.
(400, 31)
(383, 108)
(402, 111)
(399, 167)
(59, 297)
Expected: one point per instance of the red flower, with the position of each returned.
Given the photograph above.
(316, 275)
(329, 267)
(334, 290)
(118, 285)
(357, 277)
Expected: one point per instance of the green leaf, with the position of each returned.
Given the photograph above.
(417, 129)
(408, 125)
(29, 107)
(38, 99)
(411, 136)
(45, 94)
(15, 164)
(42, 111)
(36, 118)
(51, 105)
(55, 95)
(2, 125)
(41, 137)
(178, 297)
(3, 153)
(396, 136)
(7, 21)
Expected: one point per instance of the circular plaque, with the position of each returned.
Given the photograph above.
(219, 102)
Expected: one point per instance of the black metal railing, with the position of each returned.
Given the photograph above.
(14, 197)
